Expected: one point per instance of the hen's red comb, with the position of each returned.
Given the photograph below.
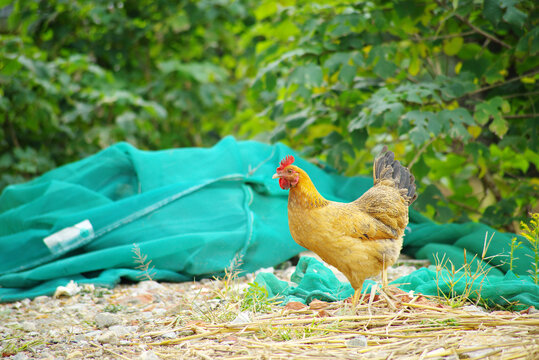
(285, 162)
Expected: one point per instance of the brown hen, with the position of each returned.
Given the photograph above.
(361, 238)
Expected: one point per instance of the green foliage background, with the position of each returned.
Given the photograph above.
(450, 86)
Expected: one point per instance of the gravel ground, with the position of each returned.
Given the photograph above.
(151, 320)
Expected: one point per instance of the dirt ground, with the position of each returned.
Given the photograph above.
(227, 319)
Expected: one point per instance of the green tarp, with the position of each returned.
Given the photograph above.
(192, 212)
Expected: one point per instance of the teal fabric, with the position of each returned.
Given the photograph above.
(312, 280)
(193, 212)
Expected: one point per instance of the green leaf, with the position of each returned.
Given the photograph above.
(384, 68)
(529, 42)
(278, 133)
(418, 117)
(336, 60)
(492, 11)
(359, 138)
(499, 126)
(347, 73)
(428, 196)
(336, 154)
(452, 46)
(332, 138)
(458, 115)
(308, 75)
(203, 72)
(286, 30)
(265, 10)
(513, 15)
(492, 109)
(418, 135)
(271, 81)
(420, 168)
(296, 119)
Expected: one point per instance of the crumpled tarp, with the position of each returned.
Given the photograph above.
(313, 280)
(193, 212)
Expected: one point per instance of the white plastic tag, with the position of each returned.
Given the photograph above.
(61, 239)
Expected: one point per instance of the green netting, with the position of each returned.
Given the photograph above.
(192, 212)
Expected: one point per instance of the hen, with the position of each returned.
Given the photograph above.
(361, 238)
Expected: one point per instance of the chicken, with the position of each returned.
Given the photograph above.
(361, 238)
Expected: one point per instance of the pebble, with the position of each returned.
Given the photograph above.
(29, 326)
(75, 355)
(150, 285)
(93, 334)
(122, 331)
(103, 320)
(69, 290)
(41, 299)
(474, 309)
(358, 341)
(149, 355)
(19, 356)
(108, 337)
(243, 317)
(170, 335)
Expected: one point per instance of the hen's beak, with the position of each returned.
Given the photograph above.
(275, 176)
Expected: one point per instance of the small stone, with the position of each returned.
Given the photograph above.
(144, 298)
(358, 341)
(146, 315)
(75, 355)
(93, 334)
(474, 309)
(170, 335)
(69, 290)
(295, 305)
(29, 326)
(148, 355)
(108, 337)
(323, 313)
(530, 310)
(47, 355)
(243, 317)
(437, 352)
(103, 320)
(229, 339)
(318, 305)
(150, 285)
(90, 288)
(19, 356)
(120, 330)
(159, 311)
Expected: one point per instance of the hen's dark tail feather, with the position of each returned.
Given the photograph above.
(387, 168)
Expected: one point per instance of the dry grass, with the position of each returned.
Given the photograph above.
(392, 324)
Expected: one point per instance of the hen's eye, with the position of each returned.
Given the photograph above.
(290, 171)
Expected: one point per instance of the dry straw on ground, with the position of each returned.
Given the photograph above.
(214, 320)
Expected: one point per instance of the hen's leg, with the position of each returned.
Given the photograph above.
(385, 284)
(357, 294)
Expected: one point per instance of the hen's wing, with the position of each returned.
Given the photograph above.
(388, 200)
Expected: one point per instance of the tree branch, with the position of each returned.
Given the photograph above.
(521, 116)
(482, 32)
(521, 94)
(499, 84)
(443, 37)
(475, 28)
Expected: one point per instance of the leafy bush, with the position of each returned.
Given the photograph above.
(77, 76)
(450, 86)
